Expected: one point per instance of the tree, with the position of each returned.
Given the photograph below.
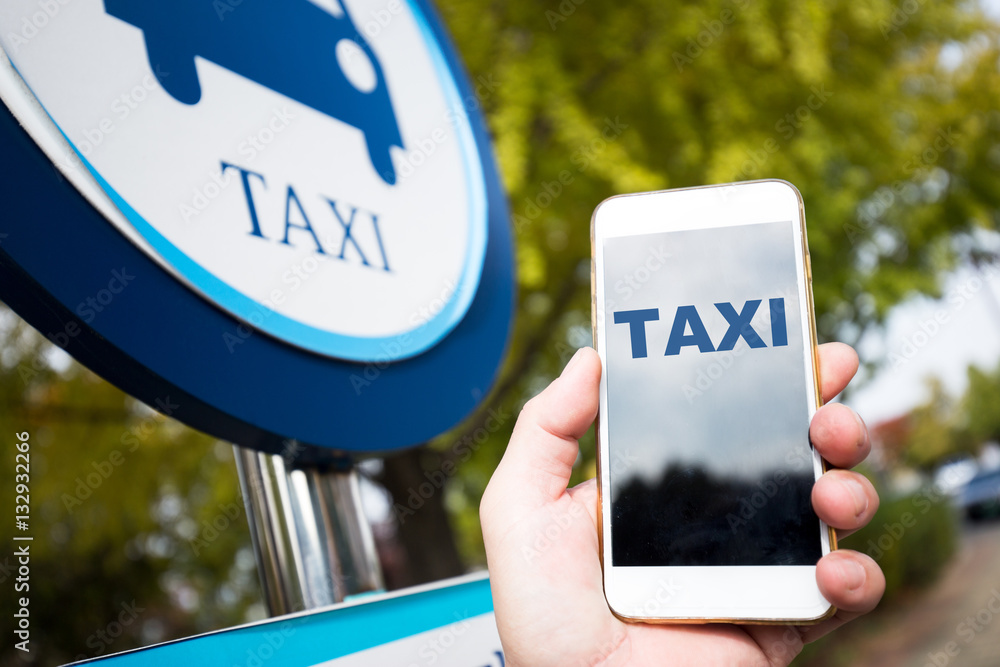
(981, 405)
(936, 432)
(883, 115)
(138, 526)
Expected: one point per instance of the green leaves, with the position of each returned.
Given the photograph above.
(883, 114)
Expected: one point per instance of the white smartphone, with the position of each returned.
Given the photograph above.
(704, 323)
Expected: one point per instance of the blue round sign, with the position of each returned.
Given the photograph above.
(269, 220)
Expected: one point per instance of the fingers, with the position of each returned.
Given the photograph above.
(839, 435)
(844, 500)
(837, 365)
(543, 447)
(852, 582)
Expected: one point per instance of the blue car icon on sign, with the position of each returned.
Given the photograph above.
(250, 39)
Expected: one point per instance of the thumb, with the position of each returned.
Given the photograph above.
(536, 467)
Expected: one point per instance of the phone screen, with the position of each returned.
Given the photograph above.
(707, 399)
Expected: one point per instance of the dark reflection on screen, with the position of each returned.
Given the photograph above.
(708, 408)
(694, 518)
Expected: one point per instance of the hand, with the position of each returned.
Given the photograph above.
(542, 549)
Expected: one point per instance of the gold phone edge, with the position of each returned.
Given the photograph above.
(597, 420)
(818, 396)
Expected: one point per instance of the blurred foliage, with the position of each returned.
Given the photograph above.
(129, 547)
(935, 434)
(887, 121)
(981, 405)
(911, 538)
(947, 428)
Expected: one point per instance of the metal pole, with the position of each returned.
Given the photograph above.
(313, 544)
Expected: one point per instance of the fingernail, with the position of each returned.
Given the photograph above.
(859, 495)
(853, 574)
(861, 426)
(572, 362)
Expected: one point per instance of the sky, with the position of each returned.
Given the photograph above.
(926, 338)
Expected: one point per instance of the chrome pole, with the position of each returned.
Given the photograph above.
(312, 542)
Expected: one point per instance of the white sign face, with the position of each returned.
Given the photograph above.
(469, 642)
(309, 167)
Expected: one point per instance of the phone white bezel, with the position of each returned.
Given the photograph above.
(762, 594)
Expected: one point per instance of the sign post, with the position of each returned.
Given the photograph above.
(312, 541)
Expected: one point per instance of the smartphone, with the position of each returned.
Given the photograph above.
(703, 319)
